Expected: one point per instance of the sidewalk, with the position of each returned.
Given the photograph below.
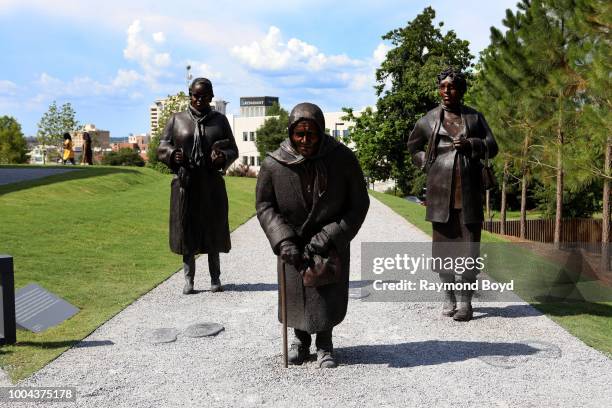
(390, 354)
(14, 175)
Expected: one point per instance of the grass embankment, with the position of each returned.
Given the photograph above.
(591, 322)
(97, 237)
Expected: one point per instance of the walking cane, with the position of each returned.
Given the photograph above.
(283, 299)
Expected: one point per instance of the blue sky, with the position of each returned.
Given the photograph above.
(111, 59)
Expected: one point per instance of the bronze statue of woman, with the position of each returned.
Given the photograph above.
(449, 143)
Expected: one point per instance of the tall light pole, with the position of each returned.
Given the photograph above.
(336, 128)
(188, 76)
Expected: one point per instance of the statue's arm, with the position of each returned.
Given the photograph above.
(166, 149)
(357, 203)
(416, 144)
(485, 140)
(231, 151)
(271, 220)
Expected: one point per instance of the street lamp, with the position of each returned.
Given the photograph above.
(336, 128)
(188, 76)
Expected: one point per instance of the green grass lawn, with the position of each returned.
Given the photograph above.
(589, 321)
(97, 237)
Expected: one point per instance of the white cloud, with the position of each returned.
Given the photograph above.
(139, 51)
(380, 53)
(126, 78)
(7, 87)
(159, 37)
(201, 69)
(271, 53)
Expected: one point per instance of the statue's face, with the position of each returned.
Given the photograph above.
(449, 93)
(305, 138)
(200, 98)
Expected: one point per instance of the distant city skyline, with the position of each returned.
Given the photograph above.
(112, 60)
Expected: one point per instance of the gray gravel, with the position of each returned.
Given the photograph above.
(14, 175)
(391, 354)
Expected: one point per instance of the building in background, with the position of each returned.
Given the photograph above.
(252, 106)
(142, 140)
(100, 139)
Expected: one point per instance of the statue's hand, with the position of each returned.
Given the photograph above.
(319, 244)
(290, 253)
(218, 158)
(462, 145)
(178, 156)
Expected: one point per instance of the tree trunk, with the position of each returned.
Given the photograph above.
(523, 221)
(502, 215)
(605, 216)
(524, 183)
(559, 200)
(488, 204)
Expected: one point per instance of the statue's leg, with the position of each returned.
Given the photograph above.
(450, 301)
(300, 347)
(325, 349)
(464, 309)
(189, 272)
(214, 267)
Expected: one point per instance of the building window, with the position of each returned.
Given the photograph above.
(252, 163)
(245, 160)
(252, 136)
(345, 132)
(245, 136)
(258, 161)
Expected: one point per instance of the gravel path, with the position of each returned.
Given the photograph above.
(391, 354)
(14, 175)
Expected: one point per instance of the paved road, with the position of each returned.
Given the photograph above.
(14, 175)
(391, 354)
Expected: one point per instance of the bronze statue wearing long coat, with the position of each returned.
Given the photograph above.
(198, 199)
(449, 143)
(338, 206)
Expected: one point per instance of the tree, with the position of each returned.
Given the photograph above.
(503, 82)
(406, 89)
(172, 104)
(13, 146)
(54, 123)
(273, 131)
(123, 157)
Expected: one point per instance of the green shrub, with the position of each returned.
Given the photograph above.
(124, 157)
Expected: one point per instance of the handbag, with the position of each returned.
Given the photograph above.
(321, 271)
(488, 177)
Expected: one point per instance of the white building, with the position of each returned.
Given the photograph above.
(245, 133)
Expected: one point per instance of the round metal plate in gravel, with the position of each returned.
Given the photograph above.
(203, 330)
(358, 293)
(164, 335)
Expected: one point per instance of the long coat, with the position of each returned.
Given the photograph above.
(198, 209)
(339, 210)
(439, 164)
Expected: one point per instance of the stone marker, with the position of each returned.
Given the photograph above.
(163, 335)
(36, 309)
(203, 330)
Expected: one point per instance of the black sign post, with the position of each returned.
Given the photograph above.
(7, 300)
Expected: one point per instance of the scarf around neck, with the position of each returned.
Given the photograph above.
(199, 119)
